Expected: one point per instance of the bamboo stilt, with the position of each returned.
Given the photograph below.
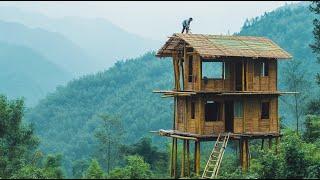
(270, 143)
(262, 144)
(188, 158)
(244, 154)
(277, 144)
(197, 158)
(183, 161)
(175, 174)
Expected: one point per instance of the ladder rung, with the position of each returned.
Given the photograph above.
(210, 171)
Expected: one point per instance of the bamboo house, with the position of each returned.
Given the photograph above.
(225, 87)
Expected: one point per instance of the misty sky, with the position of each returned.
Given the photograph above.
(157, 20)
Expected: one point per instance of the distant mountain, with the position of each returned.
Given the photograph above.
(53, 46)
(25, 73)
(99, 38)
(67, 118)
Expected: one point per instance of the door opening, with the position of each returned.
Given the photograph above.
(228, 112)
(238, 77)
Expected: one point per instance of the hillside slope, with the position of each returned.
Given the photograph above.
(25, 73)
(66, 120)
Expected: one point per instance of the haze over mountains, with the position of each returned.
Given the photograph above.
(73, 46)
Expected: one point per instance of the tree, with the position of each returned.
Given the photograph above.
(94, 171)
(313, 107)
(295, 79)
(79, 167)
(110, 136)
(158, 160)
(52, 167)
(295, 164)
(312, 128)
(30, 172)
(136, 168)
(17, 140)
(315, 7)
(267, 165)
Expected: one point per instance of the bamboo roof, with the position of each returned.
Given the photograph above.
(214, 46)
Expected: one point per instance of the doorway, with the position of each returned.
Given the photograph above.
(228, 113)
(238, 77)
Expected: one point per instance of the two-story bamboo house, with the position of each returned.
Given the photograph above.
(222, 84)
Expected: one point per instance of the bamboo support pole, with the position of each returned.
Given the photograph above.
(188, 158)
(197, 158)
(244, 154)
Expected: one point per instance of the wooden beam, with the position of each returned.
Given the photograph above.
(184, 137)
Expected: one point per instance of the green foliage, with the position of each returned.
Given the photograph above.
(295, 163)
(315, 7)
(312, 128)
(296, 159)
(158, 160)
(136, 168)
(79, 167)
(30, 172)
(313, 107)
(109, 135)
(17, 140)
(94, 171)
(52, 167)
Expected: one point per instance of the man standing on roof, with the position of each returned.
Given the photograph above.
(186, 25)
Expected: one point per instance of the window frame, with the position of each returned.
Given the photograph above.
(193, 110)
(223, 69)
(218, 112)
(234, 109)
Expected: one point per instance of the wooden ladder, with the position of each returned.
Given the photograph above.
(212, 168)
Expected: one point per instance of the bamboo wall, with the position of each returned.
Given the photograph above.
(251, 121)
(252, 81)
